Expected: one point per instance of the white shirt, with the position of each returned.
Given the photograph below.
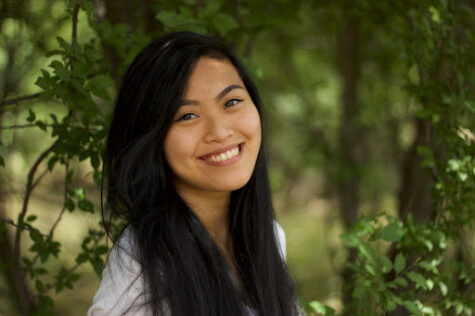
(122, 281)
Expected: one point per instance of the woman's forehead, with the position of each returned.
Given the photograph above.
(211, 76)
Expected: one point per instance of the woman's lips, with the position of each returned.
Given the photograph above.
(225, 156)
(221, 150)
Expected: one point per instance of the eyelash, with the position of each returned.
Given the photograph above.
(237, 101)
(227, 104)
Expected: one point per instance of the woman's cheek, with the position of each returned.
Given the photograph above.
(252, 123)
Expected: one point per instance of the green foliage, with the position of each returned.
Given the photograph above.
(402, 263)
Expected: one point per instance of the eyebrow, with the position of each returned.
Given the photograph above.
(220, 95)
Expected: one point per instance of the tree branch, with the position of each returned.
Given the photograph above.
(21, 126)
(74, 34)
(75, 24)
(53, 227)
(37, 181)
(26, 198)
(63, 209)
(11, 222)
(20, 99)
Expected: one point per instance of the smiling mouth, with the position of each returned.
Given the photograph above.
(224, 156)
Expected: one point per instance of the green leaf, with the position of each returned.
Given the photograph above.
(31, 218)
(387, 265)
(370, 268)
(70, 205)
(60, 70)
(45, 305)
(79, 193)
(97, 264)
(36, 236)
(2, 161)
(45, 74)
(99, 85)
(65, 45)
(41, 271)
(429, 284)
(51, 162)
(443, 288)
(392, 232)
(412, 307)
(101, 250)
(350, 240)
(391, 305)
(417, 278)
(53, 53)
(95, 160)
(102, 81)
(399, 262)
(86, 206)
(43, 83)
(367, 251)
(41, 125)
(82, 257)
(321, 308)
(31, 116)
(317, 307)
(401, 281)
(39, 285)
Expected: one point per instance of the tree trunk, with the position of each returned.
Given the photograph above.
(20, 293)
(416, 181)
(351, 135)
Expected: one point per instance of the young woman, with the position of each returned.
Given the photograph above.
(185, 168)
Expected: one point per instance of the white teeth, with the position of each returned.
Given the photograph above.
(224, 156)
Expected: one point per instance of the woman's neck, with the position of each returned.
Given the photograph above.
(212, 208)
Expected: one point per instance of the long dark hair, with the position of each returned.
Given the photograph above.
(182, 266)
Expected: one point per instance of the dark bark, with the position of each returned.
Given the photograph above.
(351, 135)
(19, 291)
(415, 193)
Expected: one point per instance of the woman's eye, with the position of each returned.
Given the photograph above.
(232, 102)
(187, 117)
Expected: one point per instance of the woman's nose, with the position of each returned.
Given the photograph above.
(218, 129)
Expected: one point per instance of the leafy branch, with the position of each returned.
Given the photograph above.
(11, 222)
(53, 227)
(26, 198)
(20, 99)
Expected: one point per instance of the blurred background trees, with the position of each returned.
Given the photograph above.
(369, 126)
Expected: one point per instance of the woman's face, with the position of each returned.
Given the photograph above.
(213, 143)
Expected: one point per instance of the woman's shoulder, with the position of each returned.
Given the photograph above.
(122, 285)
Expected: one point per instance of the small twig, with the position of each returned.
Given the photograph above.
(75, 24)
(74, 34)
(24, 126)
(18, 126)
(38, 180)
(63, 209)
(11, 222)
(20, 99)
